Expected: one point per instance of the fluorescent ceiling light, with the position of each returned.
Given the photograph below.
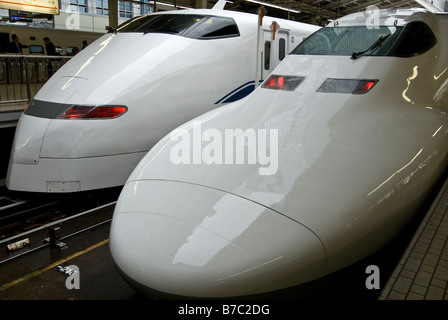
(273, 6)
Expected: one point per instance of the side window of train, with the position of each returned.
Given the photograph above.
(417, 38)
(267, 55)
(214, 28)
(281, 49)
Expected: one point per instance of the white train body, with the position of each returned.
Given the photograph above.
(361, 142)
(147, 82)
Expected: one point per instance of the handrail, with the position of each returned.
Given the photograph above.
(15, 55)
(21, 76)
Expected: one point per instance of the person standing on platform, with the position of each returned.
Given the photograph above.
(49, 46)
(15, 46)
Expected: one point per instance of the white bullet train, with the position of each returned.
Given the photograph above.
(94, 120)
(315, 170)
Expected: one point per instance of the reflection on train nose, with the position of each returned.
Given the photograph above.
(204, 242)
(177, 257)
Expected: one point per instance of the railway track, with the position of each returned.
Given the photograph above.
(29, 222)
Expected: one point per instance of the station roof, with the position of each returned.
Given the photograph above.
(310, 11)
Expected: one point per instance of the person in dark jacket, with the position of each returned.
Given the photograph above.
(49, 46)
(15, 46)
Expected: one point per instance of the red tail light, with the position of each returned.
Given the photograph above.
(347, 86)
(287, 83)
(93, 112)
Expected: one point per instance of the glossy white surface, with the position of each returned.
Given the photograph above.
(209, 243)
(53, 175)
(164, 80)
(353, 169)
(29, 139)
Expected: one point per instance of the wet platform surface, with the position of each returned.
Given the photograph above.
(42, 275)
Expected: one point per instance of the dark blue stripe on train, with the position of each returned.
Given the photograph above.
(238, 93)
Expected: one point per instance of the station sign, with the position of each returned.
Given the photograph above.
(40, 6)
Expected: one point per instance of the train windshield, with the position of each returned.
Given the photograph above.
(186, 25)
(344, 41)
(401, 41)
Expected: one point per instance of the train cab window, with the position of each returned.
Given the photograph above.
(161, 23)
(281, 49)
(416, 39)
(186, 25)
(214, 28)
(413, 39)
(345, 41)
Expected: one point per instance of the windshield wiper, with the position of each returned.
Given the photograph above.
(377, 44)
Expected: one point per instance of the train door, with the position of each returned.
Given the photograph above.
(266, 54)
(274, 50)
(282, 46)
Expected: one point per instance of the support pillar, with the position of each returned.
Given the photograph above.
(113, 13)
(201, 4)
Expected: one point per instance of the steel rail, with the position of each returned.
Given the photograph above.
(52, 224)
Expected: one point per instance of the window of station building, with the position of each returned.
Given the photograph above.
(33, 49)
(145, 7)
(102, 7)
(81, 4)
(125, 9)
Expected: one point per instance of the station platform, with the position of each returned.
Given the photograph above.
(422, 272)
(42, 275)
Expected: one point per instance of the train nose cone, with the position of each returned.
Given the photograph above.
(193, 241)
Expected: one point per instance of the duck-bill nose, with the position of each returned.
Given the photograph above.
(194, 241)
